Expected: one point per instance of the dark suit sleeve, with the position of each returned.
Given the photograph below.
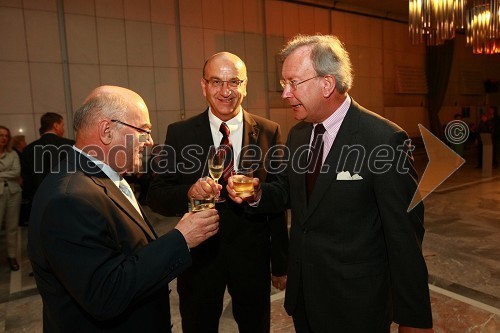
(278, 223)
(167, 193)
(404, 232)
(80, 243)
(279, 243)
(275, 192)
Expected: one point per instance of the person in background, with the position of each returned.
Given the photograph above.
(240, 256)
(42, 155)
(18, 145)
(99, 265)
(458, 147)
(485, 126)
(356, 262)
(10, 195)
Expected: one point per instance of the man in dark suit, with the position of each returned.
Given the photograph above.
(239, 256)
(42, 155)
(98, 264)
(356, 260)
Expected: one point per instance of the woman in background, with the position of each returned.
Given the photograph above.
(10, 194)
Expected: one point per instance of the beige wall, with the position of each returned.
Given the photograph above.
(146, 46)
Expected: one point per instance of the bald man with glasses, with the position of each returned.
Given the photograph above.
(250, 250)
(99, 264)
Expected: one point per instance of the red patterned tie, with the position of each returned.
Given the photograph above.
(226, 144)
(315, 160)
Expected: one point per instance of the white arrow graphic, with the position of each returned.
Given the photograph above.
(443, 162)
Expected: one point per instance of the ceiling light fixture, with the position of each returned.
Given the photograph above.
(483, 23)
(434, 21)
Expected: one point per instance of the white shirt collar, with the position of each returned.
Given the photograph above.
(112, 174)
(333, 122)
(233, 123)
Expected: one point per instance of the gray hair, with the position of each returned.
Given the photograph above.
(328, 56)
(101, 105)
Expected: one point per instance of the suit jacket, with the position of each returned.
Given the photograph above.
(354, 250)
(39, 158)
(98, 264)
(183, 161)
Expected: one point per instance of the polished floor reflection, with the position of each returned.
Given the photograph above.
(461, 247)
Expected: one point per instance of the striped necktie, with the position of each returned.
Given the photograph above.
(226, 144)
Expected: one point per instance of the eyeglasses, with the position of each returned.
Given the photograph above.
(216, 83)
(293, 85)
(143, 137)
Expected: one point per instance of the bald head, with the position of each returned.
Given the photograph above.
(110, 126)
(228, 57)
(105, 102)
(111, 90)
(224, 84)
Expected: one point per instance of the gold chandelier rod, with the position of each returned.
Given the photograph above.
(434, 21)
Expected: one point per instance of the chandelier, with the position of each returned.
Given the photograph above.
(483, 23)
(434, 21)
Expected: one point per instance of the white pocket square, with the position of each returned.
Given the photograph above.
(346, 175)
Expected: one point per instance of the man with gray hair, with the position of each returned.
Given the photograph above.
(98, 263)
(356, 260)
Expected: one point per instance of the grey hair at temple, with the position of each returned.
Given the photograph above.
(328, 56)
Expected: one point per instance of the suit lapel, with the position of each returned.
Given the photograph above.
(114, 193)
(303, 136)
(77, 161)
(345, 137)
(251, 131)
(203, 137)
(148, 223)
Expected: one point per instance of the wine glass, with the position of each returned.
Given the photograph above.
(216, 158)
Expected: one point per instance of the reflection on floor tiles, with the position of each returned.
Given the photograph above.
(450, 315)
(461, 247)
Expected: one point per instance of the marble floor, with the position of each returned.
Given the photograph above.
(461, 247)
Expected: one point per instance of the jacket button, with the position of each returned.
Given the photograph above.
(304, 231)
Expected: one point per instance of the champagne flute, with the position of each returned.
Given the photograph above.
(216, 158)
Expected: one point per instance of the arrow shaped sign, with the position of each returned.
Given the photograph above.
(443, 162)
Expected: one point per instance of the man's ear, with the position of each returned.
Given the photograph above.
(58, 128)
(204, 85)
(328, 85)
(104, 131)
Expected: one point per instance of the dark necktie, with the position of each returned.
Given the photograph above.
(226, 144)
(315, 159)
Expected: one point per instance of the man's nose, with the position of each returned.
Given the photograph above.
(287, 92)
(149, 141)
(225, 90)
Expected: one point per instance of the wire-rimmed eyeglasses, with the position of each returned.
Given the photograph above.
(143, 137)
(293, 85)
(216, 83)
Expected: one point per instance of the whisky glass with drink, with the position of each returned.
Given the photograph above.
(243, 182)
(199, 203)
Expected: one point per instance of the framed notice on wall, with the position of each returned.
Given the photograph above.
(410, 80)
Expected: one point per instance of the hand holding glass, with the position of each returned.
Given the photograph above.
(199, 203)
(216, 158)
(243, 182)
